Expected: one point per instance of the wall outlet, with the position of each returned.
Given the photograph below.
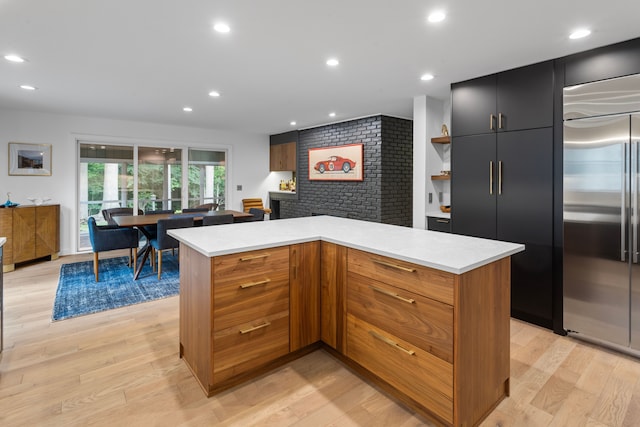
(239, 187)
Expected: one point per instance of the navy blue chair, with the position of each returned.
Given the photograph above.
(193, 210)
(217, 219)
(152, 230)
(108, 214)
(258, 214)
(109, 238)
(164, 241)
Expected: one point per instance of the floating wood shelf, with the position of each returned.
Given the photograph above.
(441, 140)
(440, 177)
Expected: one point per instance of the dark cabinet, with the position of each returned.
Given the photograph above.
(502, 176)
(512, 100)
(439, 224)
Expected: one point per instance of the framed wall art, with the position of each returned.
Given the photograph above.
(29, 159)
(337, 163)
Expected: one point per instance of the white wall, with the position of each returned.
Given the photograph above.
(248, 162)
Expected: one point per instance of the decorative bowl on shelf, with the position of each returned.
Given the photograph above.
(445, 209)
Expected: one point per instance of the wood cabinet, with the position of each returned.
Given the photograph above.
(32, 232)
(441, 340)
(333, 295)
(437, 341)
(304, 274)
(236, 307)
(282, 157)
(512, 100)
(502, 176)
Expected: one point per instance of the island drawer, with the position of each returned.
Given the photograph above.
(417, 373)
(422, 321)
(415, 278)
(234, 267)
(246, 346)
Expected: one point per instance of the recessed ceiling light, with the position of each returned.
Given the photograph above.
(292, 123)
(578, 34)
(214, 94)
(187, 109)
(332, 114)
(437, 16)
(14, 58)
(426, 77)
(221, 27)
(333, 62)
(28, 87)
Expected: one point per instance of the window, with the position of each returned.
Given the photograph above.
(106, 181)
(106, 175)
(207, 178)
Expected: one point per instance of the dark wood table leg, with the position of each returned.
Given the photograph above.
(145, 253)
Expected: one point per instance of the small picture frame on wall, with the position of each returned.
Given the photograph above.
(337, 163)
(29, 159)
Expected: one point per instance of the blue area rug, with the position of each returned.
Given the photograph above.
(79, 294)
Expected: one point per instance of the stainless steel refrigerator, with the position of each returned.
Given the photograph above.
(601, 283)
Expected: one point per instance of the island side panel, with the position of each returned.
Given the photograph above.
(482, 314)
(304, 282)
(196, 315)
(333, 298)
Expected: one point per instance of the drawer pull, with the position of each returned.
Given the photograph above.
(249, 258)
(252, 284)
(396, 266)
(393, 295)
(442, 221)
(391, 343)
(254, 328)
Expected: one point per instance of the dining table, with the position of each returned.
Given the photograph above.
(141, 222)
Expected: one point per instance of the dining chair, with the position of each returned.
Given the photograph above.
(109, 238)
(108, 214)
(164, 241)
(217, 219)
(258, 214)
(152, 230)
(192, 210)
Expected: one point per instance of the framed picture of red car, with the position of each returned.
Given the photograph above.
(338, 163)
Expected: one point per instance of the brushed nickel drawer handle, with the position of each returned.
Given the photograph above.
(252, 284)
(249, 258)
(254, 328)
(396, 266)
(443, 221)
(393, 295)
(391, 343)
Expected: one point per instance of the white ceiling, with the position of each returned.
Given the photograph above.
(144, 60)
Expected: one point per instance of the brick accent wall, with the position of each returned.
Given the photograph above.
(386, 193)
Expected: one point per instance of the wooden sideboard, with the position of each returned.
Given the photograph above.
(32, 232)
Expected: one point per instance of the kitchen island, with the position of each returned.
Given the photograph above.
(424, 315)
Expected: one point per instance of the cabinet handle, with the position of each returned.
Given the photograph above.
(391, 343)
(393, 295)
(443, 221)
(249, 258)
(396, 266)
(491, 177)
(254, 328)
(500, 177)
(252, 284)
(492, 119)
(499, 120)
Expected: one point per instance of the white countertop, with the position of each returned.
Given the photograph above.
(3, 240)
(443, 251)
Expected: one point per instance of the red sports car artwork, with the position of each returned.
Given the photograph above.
(335, 163)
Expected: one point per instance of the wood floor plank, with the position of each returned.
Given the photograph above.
(122, 367)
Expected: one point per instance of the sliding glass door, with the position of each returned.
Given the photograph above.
(113, 175)
(105, 181)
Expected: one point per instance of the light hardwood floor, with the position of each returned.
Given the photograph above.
(121, 367)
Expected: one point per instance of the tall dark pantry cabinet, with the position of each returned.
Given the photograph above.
(502, 175)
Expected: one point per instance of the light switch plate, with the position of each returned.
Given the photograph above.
(239, 187)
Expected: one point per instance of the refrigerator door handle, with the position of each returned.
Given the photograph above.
(634, 202)
(623, 204)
